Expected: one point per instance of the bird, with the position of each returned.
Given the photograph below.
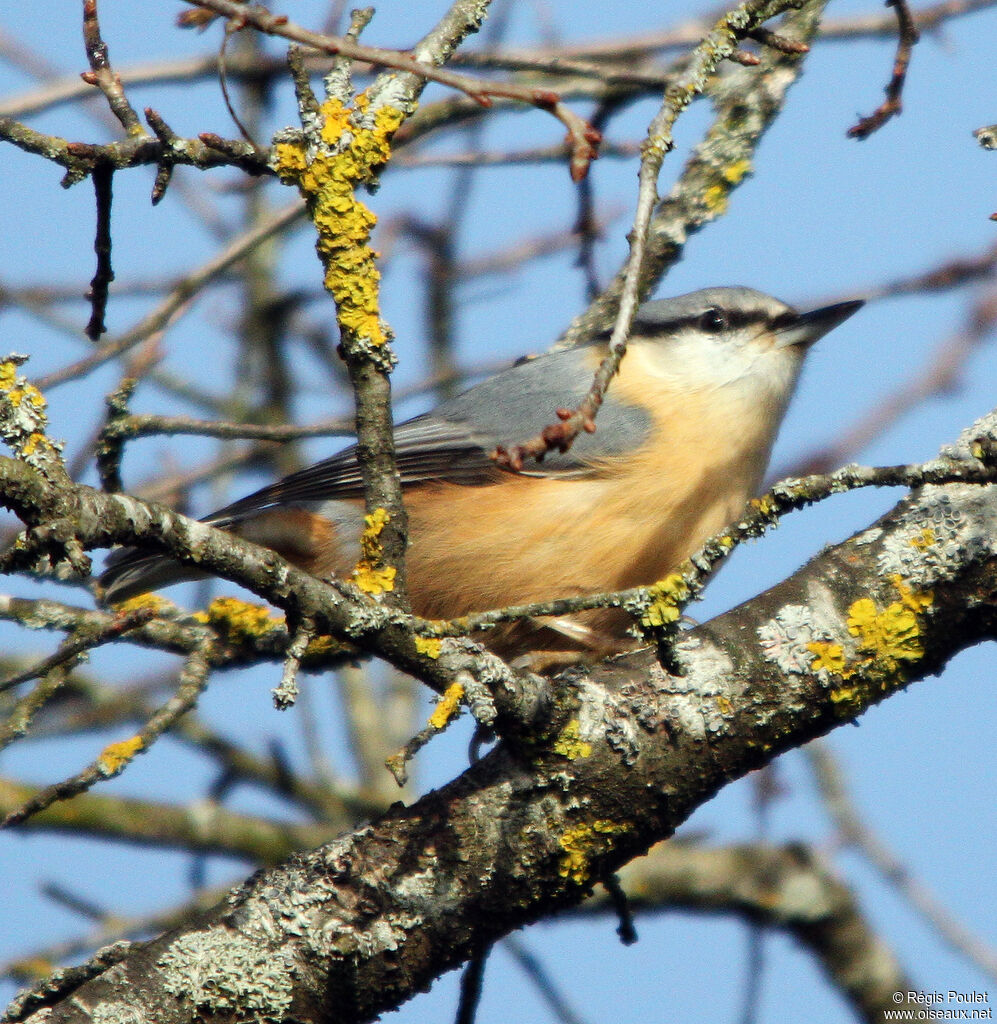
(682, 442)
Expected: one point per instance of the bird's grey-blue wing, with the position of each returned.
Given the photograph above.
(454, 441)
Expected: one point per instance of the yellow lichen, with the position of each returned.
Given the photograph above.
(916, 601)
(328, 176)
(448, 706)
(237, 621)
(891, 636)
(923, 539)
(142, 602)
(430, 646)
(829, 657)
(371, 574)
(724, 705)
(715, 199)
(17, 389)
(848, 695)
(115, 756)
(765, 506)
(736, 171)
(373, 580)
(34, 442)
(664, 599)
(569, 743)
(581, 843)
(888, 640)
(320, 646)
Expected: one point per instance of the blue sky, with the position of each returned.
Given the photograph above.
(821, 218)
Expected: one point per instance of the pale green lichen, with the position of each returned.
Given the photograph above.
(223, 972)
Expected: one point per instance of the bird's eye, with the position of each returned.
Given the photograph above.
(714, 320)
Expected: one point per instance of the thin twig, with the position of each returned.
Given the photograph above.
(534, 969)
(761, 513)
(286, 691)
(69, 89)
(103, 177)
(584, 140)
(941, 375)
(81, 641)
(178, 298)
(717, 46)
(103, 76)
(471, 982)
(115, 758)
(892, 105)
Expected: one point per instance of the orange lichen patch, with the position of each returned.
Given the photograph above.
(355, 145)
(371, 574)
(115, 756)
(583, 842)
(448, 707)
(237, 621)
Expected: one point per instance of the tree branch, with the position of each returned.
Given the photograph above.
(623, 756)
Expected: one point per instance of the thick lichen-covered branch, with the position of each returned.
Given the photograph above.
(622, 754)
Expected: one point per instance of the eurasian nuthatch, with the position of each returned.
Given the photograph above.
(681, 442)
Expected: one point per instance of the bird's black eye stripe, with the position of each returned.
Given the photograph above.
(713, 320)
(787, 319)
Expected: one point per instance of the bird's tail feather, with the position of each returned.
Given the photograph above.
(130, 572)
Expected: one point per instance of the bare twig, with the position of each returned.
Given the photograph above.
(103, 76)
(892, 105)
(70, 89)
(178, 298)
(103, 177)
(81, 641)
(941, 375)
(115, 758)
(760, 882)
(691, 577)
(584, 140)
(717, 46)
(286, 691)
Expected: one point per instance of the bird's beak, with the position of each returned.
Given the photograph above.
(807, 328)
